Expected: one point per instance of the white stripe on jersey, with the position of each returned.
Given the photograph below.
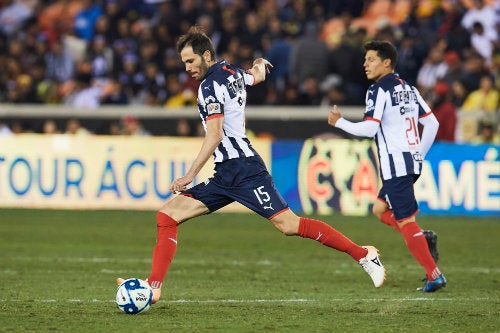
(397, 106)
(223, 91)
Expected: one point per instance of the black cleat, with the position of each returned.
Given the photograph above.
(432, 238)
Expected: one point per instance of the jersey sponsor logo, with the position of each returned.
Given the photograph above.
(404, 96)
(237, 85)
(403, 109)
(213, 108)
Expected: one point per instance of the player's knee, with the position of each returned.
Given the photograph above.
(378, 211)
(165, 220)
(286, 227)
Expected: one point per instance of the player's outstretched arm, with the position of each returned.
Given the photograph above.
(259, 69)
(366, 128)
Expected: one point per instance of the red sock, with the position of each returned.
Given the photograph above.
(327, 235)
(416, 243)
(388, 218)
(164, 250)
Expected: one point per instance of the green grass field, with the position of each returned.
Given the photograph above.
(235, 273)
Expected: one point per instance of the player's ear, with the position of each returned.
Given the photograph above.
(207, 56)
(387, 62)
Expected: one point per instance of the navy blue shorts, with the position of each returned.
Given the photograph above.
(399, 195)
(245, 180)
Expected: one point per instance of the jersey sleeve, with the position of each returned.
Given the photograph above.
(212, 95)
(371, 100)
(248, 77)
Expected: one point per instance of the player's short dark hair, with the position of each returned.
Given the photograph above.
(198, 40)
(385, 50)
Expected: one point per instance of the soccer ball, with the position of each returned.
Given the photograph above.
(134, 296)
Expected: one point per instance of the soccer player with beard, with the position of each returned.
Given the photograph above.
(240, 173)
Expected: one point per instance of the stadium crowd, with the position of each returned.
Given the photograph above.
(85, 53)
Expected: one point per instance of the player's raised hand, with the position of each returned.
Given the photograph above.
(334, 115)
(264, 62)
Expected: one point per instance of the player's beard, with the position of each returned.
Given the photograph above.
(203, 69)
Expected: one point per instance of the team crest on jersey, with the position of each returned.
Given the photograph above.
(213, 108)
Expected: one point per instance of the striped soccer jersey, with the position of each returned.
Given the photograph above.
(222, 93)
(397, 107)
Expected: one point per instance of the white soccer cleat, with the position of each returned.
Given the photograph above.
(373, 266)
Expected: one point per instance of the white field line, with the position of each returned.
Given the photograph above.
(263, 262)
(293, 300)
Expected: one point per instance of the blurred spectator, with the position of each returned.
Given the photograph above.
(5, 130)
(130, 78)
(347, 61)
(455, 71)
(309, 57)
(474, 69)
(115, 128)
(309, 93)
(155, 83)
(13, 14)
(252, 34)
(116, 94)
(133, 126)
(85, 93)
(482, 42)
(458, 93)
(74, 127)
(85, 19)
(101, 57)
(57, 17)
(18, 127)
(333, 91)
(486, 98)
(487, 134)
(60, 64)
(495, 70)
(278, 54)
(24, 90)
(178, 96)
(183, 128)
(481, 12)
(410, 57)
(445, 112)
(290, 96)
(50, 127)
(433, 69)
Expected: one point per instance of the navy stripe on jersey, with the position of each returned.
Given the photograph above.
(408, 157)
(223, 93)
(397, 106)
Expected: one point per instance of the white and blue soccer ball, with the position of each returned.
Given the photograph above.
(134, 296)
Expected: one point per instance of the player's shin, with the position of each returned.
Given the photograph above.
(327, 235)
(417, 244)
(163, 252)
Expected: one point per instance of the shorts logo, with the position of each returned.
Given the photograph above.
(213, 108)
